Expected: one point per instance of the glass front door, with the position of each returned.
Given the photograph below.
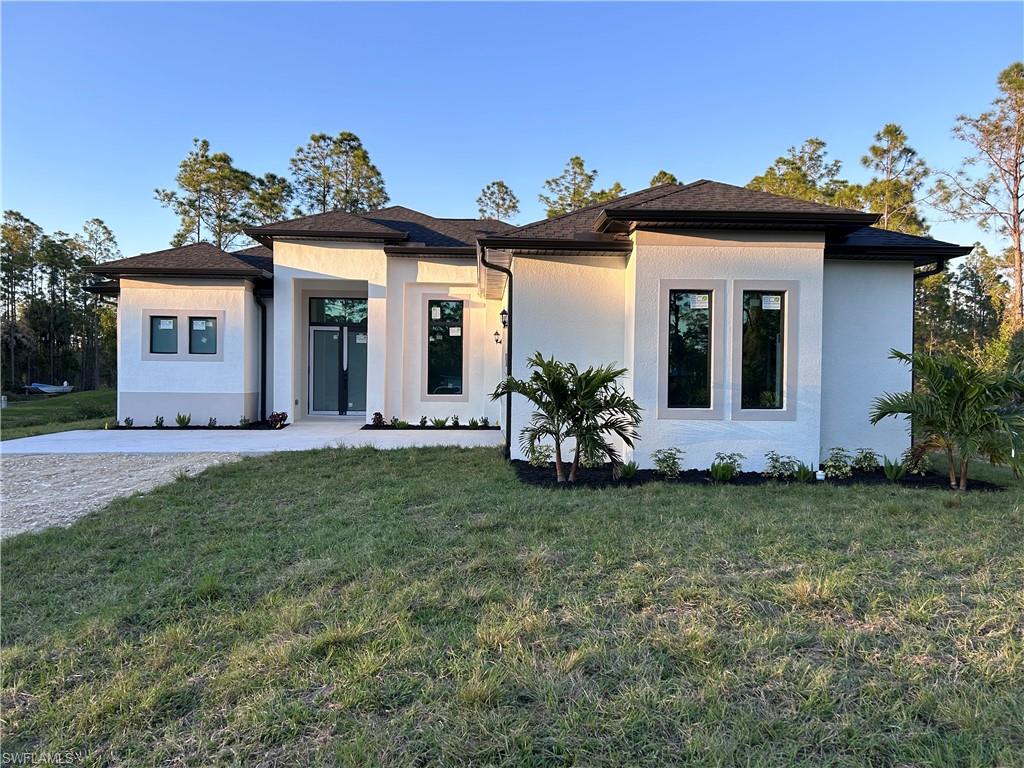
(337, 370)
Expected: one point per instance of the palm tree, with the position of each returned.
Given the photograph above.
(962, 409)
(584, 405)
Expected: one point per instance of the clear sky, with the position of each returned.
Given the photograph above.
(101, 101)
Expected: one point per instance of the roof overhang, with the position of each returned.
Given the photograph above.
(624, 219)
(104, 288)
(437, 252)
(550, 246)
(112, 271)
(265, 235)
(921, 255)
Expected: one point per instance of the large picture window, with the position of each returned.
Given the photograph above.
(763, 350)
(163, 335)
(445, 347)
(689, 349)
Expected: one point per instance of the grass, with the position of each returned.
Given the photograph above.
(41, 415)
(350, 607)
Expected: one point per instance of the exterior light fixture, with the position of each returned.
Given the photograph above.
(504, 318)
(497, 338)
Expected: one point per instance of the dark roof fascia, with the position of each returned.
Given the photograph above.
(466, 252)
(105, 288)
(163, 272)
(260, 233)
(931, 252)
(555, 243)
(798, 220)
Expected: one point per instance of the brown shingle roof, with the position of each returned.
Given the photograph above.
(331, 222)
(198, 259)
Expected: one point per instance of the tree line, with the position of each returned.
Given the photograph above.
(51, 328)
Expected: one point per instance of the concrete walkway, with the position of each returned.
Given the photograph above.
(303, 436)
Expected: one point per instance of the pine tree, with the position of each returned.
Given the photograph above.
(335, 173)
(497, 201)
(663, 177)
(804, 173)
(574, 189)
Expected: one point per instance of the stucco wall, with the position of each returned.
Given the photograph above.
(730, 257)
(223, 386)
(868, 311)
(572, 309)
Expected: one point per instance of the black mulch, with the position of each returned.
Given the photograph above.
(172, 426)
(462, 427)
(601, 477)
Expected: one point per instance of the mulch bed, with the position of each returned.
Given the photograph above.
(428, 428)
(173, 426)
(601, 477)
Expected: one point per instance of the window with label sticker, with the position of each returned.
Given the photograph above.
(202, 335)
(763, 350)
(689, 349)
(444, 347)
(163, 335)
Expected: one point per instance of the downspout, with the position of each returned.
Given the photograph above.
(508, 347)
(263, 355)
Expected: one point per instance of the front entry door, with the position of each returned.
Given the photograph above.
(337, 370)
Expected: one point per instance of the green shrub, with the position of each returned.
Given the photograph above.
(837, 465)
(377, 419)
(668, 461)
(725, 466)
(804, 473)
(894, 470)
(212, 422)
(628, 470)
(244, 421)
(540, 455)
(485, 422)
(592, 457)
(866, 460)
(779, 467)
(183, 419)
(474, 423)
(158, 421)
(277, 419)
(129, 421)
(439, 422)
(399, 423)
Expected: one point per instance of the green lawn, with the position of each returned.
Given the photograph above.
(349, 607)
(41, 415)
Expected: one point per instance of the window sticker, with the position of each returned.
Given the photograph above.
(455, 331)
(167, 324)
(771, 302)
(198, 325)
(699, 301)
(435, 313)
(360, 338)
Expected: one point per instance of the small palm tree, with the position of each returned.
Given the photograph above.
(588, 406)
(962, 409)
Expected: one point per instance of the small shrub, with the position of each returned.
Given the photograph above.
(277, 419)
(378, 419)
(540, 455)
(158, 421)
(212, 422)
(915, 461)
(668, 461)
(439, 422)
(485, 422)
(894, 470)
(244, 421)
(399, 423)
(129, 421)
(837, 465)
(779, 467)
(183, 419)
(474, 423)
(804, 473)
(592, 457)
(455, 420)
(423, 421)
(628, 470)
(865, 460)
(725, 466)
(394, 421)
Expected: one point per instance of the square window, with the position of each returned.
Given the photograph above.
(202, 336)
(163, 335)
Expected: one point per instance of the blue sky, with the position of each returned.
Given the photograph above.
(101, 101)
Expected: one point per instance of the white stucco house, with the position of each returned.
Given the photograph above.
(749, 322)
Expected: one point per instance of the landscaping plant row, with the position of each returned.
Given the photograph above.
(276, 420)
(442, 422)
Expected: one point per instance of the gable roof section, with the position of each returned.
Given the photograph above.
(336, 224)
(197, 260)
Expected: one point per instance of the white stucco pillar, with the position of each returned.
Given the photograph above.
(376, 351)
(284, 345)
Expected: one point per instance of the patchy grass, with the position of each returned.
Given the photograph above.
(41, 415)
(350, 607)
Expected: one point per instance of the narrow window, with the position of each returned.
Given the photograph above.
(444, 347)
(689, 349)
(163, 335)
(202, 336)
(763, 347)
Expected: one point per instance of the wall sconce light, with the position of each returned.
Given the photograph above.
(497, 338)
(504, 318)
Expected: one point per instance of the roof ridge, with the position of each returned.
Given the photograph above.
(605, 204)
(678, 188)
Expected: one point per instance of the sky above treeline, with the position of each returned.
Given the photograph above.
(101, 101)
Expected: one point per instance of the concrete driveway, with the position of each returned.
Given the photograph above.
(303, 436)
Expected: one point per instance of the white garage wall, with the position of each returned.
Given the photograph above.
(869, 309)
